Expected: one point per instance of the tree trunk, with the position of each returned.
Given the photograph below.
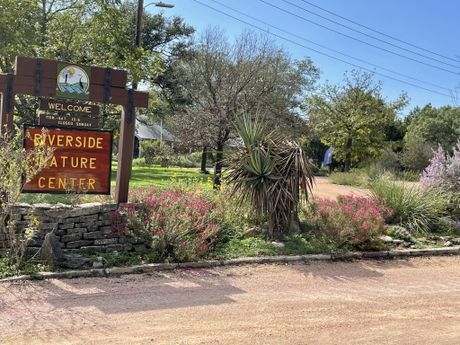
(347, 163)
(218, 165)
(204, 158)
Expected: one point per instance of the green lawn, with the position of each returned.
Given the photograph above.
(142, 176)
(156, 175)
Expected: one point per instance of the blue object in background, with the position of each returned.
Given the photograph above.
(328, 156)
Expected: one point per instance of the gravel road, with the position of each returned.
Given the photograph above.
(364, 302)
(324, 188)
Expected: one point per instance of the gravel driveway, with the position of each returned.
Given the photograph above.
(363, 302)
(324, 188)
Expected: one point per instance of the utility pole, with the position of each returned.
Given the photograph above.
(140, 13)
(137, 37)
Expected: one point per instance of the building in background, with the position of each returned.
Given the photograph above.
(151, 132)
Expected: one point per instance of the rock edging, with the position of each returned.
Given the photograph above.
(150, 268)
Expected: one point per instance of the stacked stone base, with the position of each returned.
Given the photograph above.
(83, 228)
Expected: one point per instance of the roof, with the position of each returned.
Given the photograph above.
(153, 132)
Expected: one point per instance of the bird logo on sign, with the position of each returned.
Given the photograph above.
(72, 82)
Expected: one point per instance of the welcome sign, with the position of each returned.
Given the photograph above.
(82, 157)
(68, 114)
(81, 161)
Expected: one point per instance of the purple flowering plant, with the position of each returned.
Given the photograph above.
(443, 173)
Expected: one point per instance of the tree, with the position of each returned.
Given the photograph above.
(16, 30)
(222, 79)
(353, 116)
(434, 126)
(95, 32)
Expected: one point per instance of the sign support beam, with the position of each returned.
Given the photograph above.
(125, 155)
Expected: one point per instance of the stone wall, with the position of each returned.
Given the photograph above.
(85, 227)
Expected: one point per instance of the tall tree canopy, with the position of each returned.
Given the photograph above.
(435, 126)
(99, 32)
(353, 117)
(221, 79)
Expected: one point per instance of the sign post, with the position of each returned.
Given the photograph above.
(51, 79)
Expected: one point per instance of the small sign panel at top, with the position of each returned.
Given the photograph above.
(68, 114)
(52, 105)
(73, 81)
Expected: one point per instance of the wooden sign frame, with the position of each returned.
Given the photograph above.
(38, 77)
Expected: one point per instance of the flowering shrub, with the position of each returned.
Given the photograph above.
(182, 226)
(443, 173)
(351, 220)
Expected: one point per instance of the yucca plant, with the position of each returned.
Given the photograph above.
(271, 172)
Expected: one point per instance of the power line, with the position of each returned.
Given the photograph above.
(319, 52)
(328, 48)
(380, 32)
(359, 40)
(368, 35)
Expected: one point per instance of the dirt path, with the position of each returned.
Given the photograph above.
(366, 302)
(325, 189)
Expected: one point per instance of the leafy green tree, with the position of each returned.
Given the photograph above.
(435, 126)
(99, 32)
(16, 30)
(352, 117)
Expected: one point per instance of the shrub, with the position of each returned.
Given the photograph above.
(389, 161)
(181, 226)
(353, 178)
(156, 152)
(399, 232)
(351, 221)
(414, 208)
(443, 174)
(184, 161)
(16, 167)
(139, 162)
(416, 154)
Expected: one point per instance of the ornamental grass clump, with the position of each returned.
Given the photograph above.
(180, 226)
(415, 208)
(351, 221)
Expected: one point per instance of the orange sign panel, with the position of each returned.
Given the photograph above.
(81, 161)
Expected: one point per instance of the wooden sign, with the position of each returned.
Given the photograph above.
(47, 78)
(66, 120)
(81, 162)
(52, 105)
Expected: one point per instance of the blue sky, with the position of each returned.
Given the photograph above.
(430, 24)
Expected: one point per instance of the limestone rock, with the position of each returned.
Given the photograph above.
(386, 239)
(75, 261)
(51, 251)
(252, 232)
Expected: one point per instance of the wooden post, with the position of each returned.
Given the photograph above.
(125, 154)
